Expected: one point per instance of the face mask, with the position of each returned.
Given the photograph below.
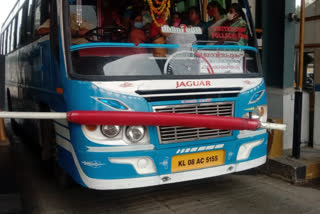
(230, 16)
(138, 25)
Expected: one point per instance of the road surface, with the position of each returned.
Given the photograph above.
(240, 193)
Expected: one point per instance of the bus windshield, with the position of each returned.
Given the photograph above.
(161, 38)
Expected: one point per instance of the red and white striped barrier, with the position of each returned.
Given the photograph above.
(148, 119)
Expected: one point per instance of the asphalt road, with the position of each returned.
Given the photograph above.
(245, 193)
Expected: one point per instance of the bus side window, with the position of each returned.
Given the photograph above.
(4, 45)
(24, 25)
(29, 28)
(19, 28)
(54, 36)
(37, 18)
(2, 38)
(13, 34)
(9, 39)
(41, 14)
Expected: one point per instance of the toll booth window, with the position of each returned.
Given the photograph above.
(309, 68)
(167, 37)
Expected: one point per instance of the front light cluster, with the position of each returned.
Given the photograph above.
(133, 133)
(110, 131)
(259, 113)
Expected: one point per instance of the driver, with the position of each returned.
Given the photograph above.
(78, 31)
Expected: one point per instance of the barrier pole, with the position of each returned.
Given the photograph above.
(147, 119)
(299, 93)
(3, 136)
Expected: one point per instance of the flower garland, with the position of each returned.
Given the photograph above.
(164, 7)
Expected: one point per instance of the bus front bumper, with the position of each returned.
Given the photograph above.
(116, 184)
(99, 171)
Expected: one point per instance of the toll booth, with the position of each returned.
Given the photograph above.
(278, 61)
(311, 85)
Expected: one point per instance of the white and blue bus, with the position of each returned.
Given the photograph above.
(140, 79)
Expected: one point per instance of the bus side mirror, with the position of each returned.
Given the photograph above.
(293, 17)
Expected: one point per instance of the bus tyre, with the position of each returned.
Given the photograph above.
(47, 139)
(49, 150)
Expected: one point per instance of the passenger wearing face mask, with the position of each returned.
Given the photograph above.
(218, 15)
(137, 35)
(238, 28)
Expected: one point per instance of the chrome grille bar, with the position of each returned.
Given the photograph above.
(177, 134)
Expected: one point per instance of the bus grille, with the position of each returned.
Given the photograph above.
(177, 134)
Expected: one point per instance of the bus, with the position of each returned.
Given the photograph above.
(185, 60)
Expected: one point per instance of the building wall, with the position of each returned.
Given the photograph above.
(312, 28)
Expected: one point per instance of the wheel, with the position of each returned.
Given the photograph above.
(49, 151)
(47, 140)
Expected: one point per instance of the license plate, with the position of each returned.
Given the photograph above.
(200, 160)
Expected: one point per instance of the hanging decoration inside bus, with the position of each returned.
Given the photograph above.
(223, 62)
(161, 9)
(181, 29)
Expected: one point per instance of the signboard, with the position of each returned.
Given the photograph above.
(182, 29)
(222, 62)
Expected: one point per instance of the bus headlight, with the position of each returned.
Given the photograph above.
(110, 131)
(259, 113)
(256, 114)
(135, 133)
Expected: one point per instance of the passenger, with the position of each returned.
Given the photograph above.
(195, 21)
(217, 12)
(133, 7)
(176, 20)
(122, 24)
(146, 17)
(118, 21)
(78, 32)
(146, 20)
(157, 37)
(126, 20)
(238, 25)
(137, 35)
